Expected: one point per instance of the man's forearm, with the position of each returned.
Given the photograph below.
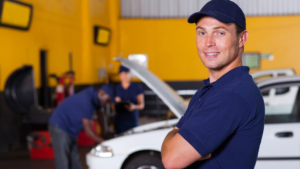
(171, 134)
(205, 158)
(94, 136)
(102, 122)
(165, 148)
(139, 106)
(169, 153)
(87, 126)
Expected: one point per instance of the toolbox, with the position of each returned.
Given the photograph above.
(40, 146)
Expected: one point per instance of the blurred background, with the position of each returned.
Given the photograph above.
(47, 45)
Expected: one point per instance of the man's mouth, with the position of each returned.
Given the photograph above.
(211, 54)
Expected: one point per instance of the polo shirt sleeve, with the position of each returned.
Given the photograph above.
(139, 89)
(182, 119)
(211, 124)
(117, 91)
(89, 103)
(87, 110)
(87, 116)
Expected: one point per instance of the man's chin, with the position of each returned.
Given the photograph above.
(213, 67)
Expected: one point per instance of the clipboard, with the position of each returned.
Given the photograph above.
(120, 107)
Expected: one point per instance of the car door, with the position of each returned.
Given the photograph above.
(280, 99)
(268, 95)
(280, 146)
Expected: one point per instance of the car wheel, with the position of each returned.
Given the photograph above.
(146, 160)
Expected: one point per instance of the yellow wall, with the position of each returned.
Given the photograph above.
(66, 26)
(277, 35)
(60, 27)
(170, 44)
(94, 56)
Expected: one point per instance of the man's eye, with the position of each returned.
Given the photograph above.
(221, 33)
(201, 33)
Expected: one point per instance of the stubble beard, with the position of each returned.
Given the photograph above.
(222, 66)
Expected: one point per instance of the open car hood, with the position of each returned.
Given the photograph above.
(163, 90)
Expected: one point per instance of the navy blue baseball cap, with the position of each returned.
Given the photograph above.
(224, 11)
(123, 69)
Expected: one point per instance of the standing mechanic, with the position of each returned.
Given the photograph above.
(70, 117)
(224, 122)
(131, 93)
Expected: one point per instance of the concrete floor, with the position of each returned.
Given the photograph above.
(20, 159)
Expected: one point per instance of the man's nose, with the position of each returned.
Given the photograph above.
(210, 41)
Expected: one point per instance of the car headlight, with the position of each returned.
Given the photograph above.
(102, 151)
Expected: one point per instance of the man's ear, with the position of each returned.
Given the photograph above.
(243, 38)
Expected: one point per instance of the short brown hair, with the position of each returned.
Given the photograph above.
(238, 29)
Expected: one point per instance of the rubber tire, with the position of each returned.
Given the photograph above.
(146, 158)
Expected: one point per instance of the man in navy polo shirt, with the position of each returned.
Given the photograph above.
(70, 117)
(223, 125)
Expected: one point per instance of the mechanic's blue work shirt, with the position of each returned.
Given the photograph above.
(130, 94)
(226, 119)
(69, 113)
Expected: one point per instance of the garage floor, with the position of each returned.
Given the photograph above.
(19, 159)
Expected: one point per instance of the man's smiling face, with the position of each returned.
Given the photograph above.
(217, 43)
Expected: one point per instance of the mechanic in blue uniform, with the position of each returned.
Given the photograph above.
(224, 122)
(131, 93)
(71, 116)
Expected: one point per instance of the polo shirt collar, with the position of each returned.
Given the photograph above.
(231, 75)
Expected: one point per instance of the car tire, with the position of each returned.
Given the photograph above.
(145, 160)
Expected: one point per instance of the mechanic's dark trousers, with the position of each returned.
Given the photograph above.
(65, 149)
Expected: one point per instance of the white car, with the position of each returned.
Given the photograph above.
(139, 148)
(277, 99)
(280, 146)
(271, 73)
